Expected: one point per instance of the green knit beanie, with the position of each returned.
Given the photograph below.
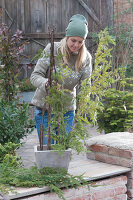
(77, 26)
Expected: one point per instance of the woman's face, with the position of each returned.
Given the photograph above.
(74, 43)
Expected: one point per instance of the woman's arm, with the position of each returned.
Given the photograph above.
(38, 76)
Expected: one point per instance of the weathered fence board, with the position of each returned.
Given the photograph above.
(34, 15)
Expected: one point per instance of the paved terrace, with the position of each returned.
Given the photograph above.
(92, 169)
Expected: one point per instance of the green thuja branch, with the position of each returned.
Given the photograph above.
(101, 79)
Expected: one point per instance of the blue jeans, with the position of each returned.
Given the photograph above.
(68, 119)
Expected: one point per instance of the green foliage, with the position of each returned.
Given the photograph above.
(25, 85)
(129, 70)
(13, 174)
(116, 111)
(58, 103)
(14, 121)
(8, 148)
(10, 51)
(111, 109)
(129, 84)
(32, 177)
(78, 136)
(101, 79)
(8, 161)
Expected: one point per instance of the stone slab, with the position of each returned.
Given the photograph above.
(95, 170)
(120, 140)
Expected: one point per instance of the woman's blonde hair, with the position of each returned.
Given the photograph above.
(82, 54)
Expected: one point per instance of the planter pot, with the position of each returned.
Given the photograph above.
(51, 158)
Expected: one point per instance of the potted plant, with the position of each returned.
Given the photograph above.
(87, 104)
(57, 155)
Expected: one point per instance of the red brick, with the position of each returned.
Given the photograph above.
(118, 197)
(100, 157)
(126, 153)
(72, 192)
(113, 151)
(90, 155)
(125, 162)
(87, 197)
(99, 148)
(102, 194)
(120, 179)
(49, 196)
(109, 193)
(120, 153)
(112, 160)
(120, 190)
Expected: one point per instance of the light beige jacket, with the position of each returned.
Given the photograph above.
(39, 77)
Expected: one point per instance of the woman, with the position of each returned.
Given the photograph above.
(78, 59)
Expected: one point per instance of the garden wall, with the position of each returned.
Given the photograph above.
(116, 149)
(107, 189)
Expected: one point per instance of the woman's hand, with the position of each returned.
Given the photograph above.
(47, 85)
(54, 84)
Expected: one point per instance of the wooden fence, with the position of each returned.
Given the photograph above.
(34, 17)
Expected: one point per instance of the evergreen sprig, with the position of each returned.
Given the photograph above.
(91, 95)
(55, 179)
(12, 174)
